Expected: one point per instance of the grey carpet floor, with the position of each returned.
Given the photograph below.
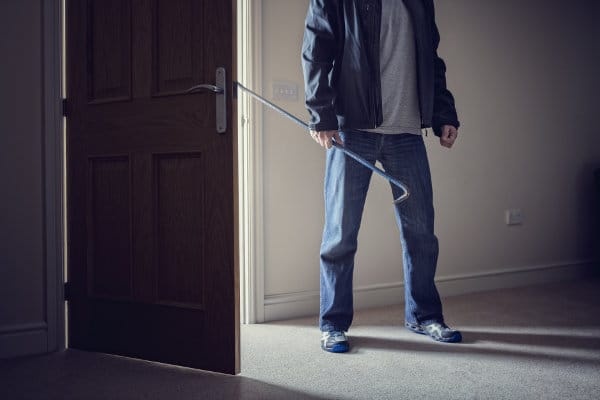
(528, 343)
(539, 342)
(81, 375)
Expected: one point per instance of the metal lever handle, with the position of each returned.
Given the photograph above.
(221, 98)
(198, 88)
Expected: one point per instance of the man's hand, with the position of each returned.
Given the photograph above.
(449, 135)
(324, 138)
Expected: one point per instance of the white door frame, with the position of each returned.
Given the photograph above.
(250, 166)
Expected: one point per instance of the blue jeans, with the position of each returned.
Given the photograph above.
(346, 183)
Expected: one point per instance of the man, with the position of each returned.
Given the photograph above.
(373, 81)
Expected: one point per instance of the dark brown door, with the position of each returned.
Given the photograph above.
(151, 183)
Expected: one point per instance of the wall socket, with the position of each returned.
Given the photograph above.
(513, 216)
(287, 91)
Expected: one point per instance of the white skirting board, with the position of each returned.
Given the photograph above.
(22, 340)
(305, 304)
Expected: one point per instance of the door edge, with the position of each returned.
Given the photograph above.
(54, 185)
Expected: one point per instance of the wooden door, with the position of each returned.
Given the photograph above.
(151, 184)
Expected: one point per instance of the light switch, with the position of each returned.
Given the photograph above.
(514, 216)
(287, 91)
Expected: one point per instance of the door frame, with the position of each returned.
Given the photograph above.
(250, 186)
(54, 170)
(250, 164)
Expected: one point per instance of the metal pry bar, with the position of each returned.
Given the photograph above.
(338, 146)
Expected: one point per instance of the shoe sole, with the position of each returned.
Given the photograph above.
(454, 339)
(337, 348)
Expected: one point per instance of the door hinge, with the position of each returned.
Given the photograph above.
(67, 291)
(64, 107)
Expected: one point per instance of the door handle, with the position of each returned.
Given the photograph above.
(220, 98)
(206, 86)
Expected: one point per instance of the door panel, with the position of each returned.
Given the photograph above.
(109, 250)
(150, 182)
(180, 262)
(179, 62)
(109, 50)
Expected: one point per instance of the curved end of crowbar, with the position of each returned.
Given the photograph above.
(403, 197)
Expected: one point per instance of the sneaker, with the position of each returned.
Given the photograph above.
(438, 331)
(334, 342)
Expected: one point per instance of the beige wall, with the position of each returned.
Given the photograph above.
(524, 74)
(22, 258)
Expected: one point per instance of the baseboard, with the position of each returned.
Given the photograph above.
(23, 340)
(304, 304)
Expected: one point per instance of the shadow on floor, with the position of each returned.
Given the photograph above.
(575, 342)
(74, 374)
(534, 346)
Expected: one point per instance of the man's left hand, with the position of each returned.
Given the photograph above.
(449, 135)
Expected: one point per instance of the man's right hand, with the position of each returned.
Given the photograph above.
(324, 138)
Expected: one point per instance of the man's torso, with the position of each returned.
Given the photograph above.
(398, 69)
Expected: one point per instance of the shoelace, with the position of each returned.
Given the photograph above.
(439, 325)
(440, 329)
(337, 336)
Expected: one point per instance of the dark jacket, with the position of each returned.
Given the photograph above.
(340, 59)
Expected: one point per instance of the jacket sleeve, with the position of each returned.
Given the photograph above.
(444, 110)
(321, 44)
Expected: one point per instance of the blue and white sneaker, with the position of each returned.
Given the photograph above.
(438, 331)
(335, 342)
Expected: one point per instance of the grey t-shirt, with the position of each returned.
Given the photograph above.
(398, 68)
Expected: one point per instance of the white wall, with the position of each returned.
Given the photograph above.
(27, 323)
(526, 87)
